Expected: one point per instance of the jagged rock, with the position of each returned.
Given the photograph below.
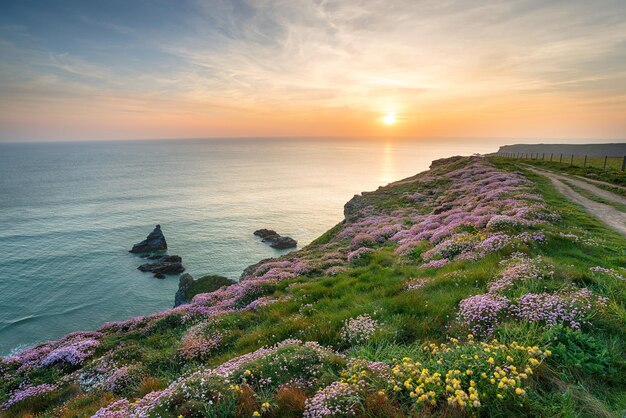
(154, 242)
(167, 264)
(276, 241)
(264, 233)
(184, 283)
(188, 287)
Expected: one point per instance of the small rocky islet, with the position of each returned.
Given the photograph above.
(160, 264)
(275, 240)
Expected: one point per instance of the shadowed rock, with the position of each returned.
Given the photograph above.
(275, 240)
(167, 264)
(188, 287)
(264, 233)
(154, 242)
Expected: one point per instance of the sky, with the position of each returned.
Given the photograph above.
(80, 70)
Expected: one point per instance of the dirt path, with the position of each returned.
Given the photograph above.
(603, 183)
(585, 185)
(608, 214)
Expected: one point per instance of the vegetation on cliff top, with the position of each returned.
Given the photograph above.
(470, 289)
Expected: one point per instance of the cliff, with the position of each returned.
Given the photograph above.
(469, 289)
(578, 150)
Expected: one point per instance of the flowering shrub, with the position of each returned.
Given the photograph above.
(519, 268)
(359, 254)
(360, 329)
(362, 240)
(73, 354)
(452, 246)
(435, 263)
(337, 399)
(295, 365)
(568, 308)
(465, 374)
(481, 313)
(213, 388)
(27, 392)
(123, 378)
(504, 222)
(200, 341)
(72, 349)
(609, 272)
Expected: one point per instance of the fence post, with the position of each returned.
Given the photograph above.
(624, 163)
(585, 163)
(543, 156)
(604, 166)
(561, 158)
(571, 162)
(551, 155)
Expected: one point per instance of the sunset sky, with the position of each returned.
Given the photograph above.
(167, 69)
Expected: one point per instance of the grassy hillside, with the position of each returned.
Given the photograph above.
(470, 289)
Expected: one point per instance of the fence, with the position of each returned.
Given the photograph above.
(606, 162)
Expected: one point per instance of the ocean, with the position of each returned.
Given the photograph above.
(69, 213)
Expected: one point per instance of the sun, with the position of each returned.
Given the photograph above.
(389, 118)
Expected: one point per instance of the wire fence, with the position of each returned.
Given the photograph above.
(605, 163)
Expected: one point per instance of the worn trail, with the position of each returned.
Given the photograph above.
(608, 214)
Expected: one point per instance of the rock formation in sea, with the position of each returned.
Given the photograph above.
(167, 264)
(275, 240)
(188, 287)
(155, 241)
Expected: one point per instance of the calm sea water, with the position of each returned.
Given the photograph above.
(69, 212)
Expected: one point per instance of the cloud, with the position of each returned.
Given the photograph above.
(365, 57)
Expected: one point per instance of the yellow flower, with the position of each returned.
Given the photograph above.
(490, 360)
(247, 373)
(519, 391)
(265, 405)
(256, 414)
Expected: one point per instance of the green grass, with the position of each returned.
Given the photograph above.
(206, 284)
(612, 174)
(595, 198)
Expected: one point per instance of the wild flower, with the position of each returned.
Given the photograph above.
(360, 329)
(609, 272)
(123, 378)
(337, 399)
(464, 374)
(72, 349)
(503, 222)
(452, 246)
(73, 354)
(362, 240)
(200, 341)
(335, 270)
(570, 308)
(518, 269)
(481, 313)
(434, 263)
(27, 392)
(358, 254)
(414, 284)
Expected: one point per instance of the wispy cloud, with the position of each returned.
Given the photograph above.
(433, 62)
